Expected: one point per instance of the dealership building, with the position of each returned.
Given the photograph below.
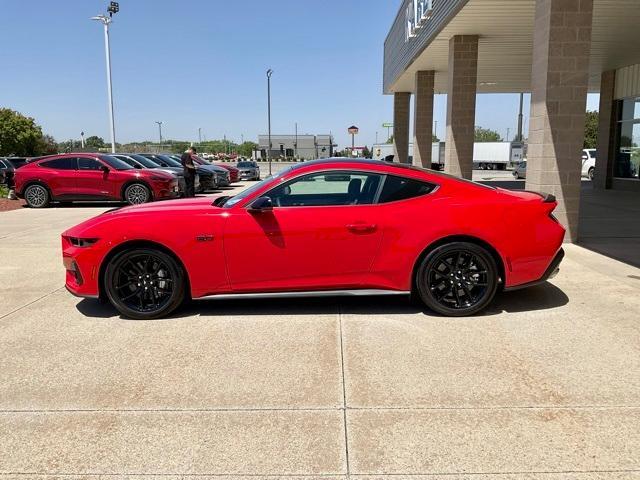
(559, 50)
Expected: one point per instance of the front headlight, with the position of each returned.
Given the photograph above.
(81, 242)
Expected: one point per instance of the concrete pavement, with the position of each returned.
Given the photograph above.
(544, 386)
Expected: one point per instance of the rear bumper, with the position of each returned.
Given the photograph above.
(552, 271)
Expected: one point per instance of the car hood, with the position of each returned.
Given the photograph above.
(99, 225)
(174, 170)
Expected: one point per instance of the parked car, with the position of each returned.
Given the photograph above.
(249, 170)
(138, 161)
(234, 173)
(363, 221)
(589, 163)
(8, 166)
(521, 170)
(207, 178)
(222, 175)
(80, 176)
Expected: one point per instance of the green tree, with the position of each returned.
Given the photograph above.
(246, 149)
(94, 143)
(591, 130)
(366, 153)
(48, 145)
(19, 135)
(487, 135)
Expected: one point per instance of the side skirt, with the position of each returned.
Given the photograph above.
(307, 294)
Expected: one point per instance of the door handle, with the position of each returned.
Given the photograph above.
(361, 227)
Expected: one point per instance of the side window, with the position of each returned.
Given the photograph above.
(61, 163)
(330, 188)
(400, 188)
(88, 164)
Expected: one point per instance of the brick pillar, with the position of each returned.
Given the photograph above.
(461, 105)
(561, 48)
(605, 154)
(401, 113)
(423, 119)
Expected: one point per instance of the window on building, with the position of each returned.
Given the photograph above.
(627, 162)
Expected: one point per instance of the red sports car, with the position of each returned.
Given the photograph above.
(324, 227)
(82, 176)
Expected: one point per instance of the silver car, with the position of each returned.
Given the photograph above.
(521, 170)
(248, 170)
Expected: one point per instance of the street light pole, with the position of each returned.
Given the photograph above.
(160, 131)
(199, 136)
(106, 21)
(269, 73)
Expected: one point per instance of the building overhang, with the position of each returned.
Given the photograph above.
(505, 28)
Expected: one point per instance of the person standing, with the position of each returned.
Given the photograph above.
(189, 172)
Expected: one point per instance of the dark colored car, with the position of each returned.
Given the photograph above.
(81, 176)
(207, 178)
(138, 161)
(8, 166)
(222, 174)
(249, 170)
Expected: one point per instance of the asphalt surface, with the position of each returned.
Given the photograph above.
(544, 385)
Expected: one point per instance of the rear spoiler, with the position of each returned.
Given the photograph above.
(546, 197)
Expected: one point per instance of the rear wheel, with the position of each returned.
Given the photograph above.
(457, 279)
(144, 283)
(591, 173)
(136, 193)
(37, 196)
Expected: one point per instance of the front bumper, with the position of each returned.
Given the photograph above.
(552, 271)
(81, 266)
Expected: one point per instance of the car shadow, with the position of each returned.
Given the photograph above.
(541, 297)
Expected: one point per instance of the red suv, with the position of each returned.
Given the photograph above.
(78, 177)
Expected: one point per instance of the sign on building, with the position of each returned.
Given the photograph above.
(418, 13)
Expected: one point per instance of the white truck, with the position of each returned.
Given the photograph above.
(486, 155)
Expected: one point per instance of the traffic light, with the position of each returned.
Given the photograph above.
(114, 7)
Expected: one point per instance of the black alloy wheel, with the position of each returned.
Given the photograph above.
(144, 284)
(457, 279)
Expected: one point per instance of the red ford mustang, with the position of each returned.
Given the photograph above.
(325, 227)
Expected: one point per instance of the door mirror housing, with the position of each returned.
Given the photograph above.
(262, 204)
(105, 169)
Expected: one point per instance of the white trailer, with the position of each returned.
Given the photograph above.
(384, 151)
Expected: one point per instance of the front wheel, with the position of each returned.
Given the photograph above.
(137, 194)
(591, 173)
(144, 284)
(37, 196)
(457, 279)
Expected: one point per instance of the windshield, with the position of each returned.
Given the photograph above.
(246, 164)
(115, 163)
(249, 191)
(144, 161)
(169, 160)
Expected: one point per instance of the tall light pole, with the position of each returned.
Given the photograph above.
(199, 135)
(269, 73)
(160, 131)
(106, 21)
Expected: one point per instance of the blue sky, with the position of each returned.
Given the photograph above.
(201, 64)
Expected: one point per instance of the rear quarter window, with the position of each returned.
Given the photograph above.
(402, 188)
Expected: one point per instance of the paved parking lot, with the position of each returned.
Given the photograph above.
(544, 385)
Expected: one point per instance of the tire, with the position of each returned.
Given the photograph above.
(37, 196)
(436, 277)
(591, 173)
(158, 273)
(137, 194)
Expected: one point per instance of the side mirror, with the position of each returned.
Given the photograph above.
(105, 169)
(138, 166)
(262, 204)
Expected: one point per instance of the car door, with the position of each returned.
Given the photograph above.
(60, 176)
(321, 234)
(92, 179)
